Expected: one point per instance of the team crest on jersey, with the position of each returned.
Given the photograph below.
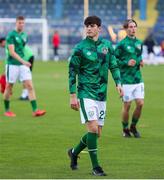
(17, 39)
(105, 50)
(138, 46)
(129, 47)
(91, 113)
(24, 39)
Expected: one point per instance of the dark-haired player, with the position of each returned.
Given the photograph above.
(90, 62)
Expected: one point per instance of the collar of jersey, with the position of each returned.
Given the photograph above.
(94, 42)
(132, 39)
(18, 32)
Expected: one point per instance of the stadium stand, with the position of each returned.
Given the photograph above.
(159, 26)
(69, 20)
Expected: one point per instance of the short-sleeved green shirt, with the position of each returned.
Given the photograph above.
(18, 40)
(90, 61)
(129, 48)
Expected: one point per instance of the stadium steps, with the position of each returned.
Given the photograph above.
(152, 15)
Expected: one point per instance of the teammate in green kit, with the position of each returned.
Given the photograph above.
(18, 68)
(28, 56)
(128, 52)
(90, 62)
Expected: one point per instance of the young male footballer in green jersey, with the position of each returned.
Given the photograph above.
(90, 62)
(18, 68)
(129, 51)
(28, 56)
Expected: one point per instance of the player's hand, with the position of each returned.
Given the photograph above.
(141, 63)
(131, 62)
(26, 63)
(120, 90)
(74, 103)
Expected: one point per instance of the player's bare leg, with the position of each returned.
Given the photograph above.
(125, 119)
(6, 95)
(32, 97)
(136, 116)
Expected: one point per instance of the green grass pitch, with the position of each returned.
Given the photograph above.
(36, 148)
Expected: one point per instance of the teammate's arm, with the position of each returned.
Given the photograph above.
(141, 62)
(118, 54)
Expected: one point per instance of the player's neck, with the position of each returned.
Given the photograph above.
(18, 30)
(95, 38)
(131, 36)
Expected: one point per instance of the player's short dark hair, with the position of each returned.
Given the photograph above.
(127, 22)
(92, 20)
(20, 18)
(2, 39)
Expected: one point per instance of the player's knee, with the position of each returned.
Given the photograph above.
(92, 126)
(140, 104)
(93, 130)
(29, 87)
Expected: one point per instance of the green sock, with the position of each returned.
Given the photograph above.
(82, 145)
(125, 125)
(34, 105)
(92, 148)
(7, 105)
(134, 121)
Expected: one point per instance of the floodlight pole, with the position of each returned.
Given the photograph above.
(44, 8)
(129, 9)
(86, 8)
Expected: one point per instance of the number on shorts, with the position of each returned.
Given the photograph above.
(102, 114)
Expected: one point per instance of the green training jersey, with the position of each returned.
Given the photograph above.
(90, 61)
(27, 53)
(127, 49)
(18, 40)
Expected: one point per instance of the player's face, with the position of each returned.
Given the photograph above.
(92, 30)
(131, 30)
(20, 25)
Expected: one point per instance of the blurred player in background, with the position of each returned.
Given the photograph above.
(121, 34)
(129, 51)
(56, 44)
(90, 61)
(28, 56)
(18, 68)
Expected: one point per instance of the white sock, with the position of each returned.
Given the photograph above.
(24, 93)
